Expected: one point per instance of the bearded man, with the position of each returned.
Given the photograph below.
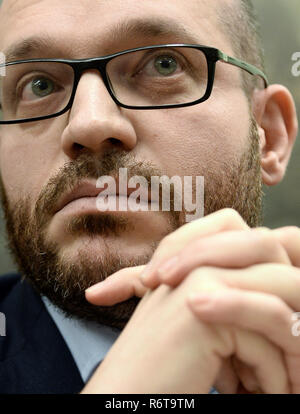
(170, 89)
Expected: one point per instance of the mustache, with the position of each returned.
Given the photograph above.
(87, 166)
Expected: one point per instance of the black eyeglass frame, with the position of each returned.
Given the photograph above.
(212, 55)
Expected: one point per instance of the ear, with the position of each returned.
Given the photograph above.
(276, 117)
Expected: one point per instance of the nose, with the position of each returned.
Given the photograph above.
(95, 120)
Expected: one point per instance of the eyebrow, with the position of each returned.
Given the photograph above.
(149, 28)
(154, 28)
(25, 48)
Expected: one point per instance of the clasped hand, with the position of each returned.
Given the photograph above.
(242, 287)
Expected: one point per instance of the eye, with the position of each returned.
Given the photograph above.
(160, 65)
(165, 65)
(39, 87)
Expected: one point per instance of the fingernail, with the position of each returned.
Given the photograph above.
(146, 274)
(168, 268)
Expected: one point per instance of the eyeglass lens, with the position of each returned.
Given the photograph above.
(152, 77)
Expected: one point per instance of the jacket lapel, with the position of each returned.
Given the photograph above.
(34, 357)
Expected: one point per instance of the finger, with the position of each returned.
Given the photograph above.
(233, 249)
(278, 280)
(266, 361)
(269, 373)
(227, 381)
(274, 279)
(289, 237)
(251, 348)
(255, 311)
(232, 375)
(248, 381)
(118, 287)
(222, 220)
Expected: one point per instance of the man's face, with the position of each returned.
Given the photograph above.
(63, 252)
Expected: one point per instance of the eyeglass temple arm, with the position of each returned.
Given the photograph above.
(253, 70)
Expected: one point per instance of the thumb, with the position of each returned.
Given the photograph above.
(117, 288)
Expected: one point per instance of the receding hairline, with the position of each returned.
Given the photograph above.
(234, 20)
(239, 22)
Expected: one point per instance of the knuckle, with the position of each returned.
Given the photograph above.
(166, 243)
(203, 276)
(169, 239)
(279, 312)
(196, 246)
(231, 214)
(232, 218)
(296, 279)
(291, 232)
(262, 228)
(267, 241)
(203, 271)
(262, 233)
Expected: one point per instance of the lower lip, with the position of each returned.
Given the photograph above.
(89, 205)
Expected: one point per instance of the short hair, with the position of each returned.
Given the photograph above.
(240, 23)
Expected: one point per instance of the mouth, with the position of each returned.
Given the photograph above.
(84, 197)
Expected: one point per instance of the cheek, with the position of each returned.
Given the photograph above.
(26, 162)
(187, 140)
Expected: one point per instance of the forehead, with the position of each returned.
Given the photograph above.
(78, 28)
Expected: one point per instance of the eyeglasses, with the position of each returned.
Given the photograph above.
(152, 77)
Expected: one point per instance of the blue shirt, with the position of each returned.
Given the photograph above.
(87, 341)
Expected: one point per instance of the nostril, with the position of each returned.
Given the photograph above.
(114, 141)
(78, 147)
(117, 143)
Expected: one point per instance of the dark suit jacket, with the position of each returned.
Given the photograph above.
(34, 358)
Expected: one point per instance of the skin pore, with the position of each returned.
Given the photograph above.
(63, 254)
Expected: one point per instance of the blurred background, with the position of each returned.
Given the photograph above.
(281, 37)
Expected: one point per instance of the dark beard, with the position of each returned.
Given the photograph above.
(64, 282)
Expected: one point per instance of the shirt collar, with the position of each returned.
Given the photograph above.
(87, 341)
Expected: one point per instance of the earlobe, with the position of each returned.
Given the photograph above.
(272, 169)
(275, 114)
